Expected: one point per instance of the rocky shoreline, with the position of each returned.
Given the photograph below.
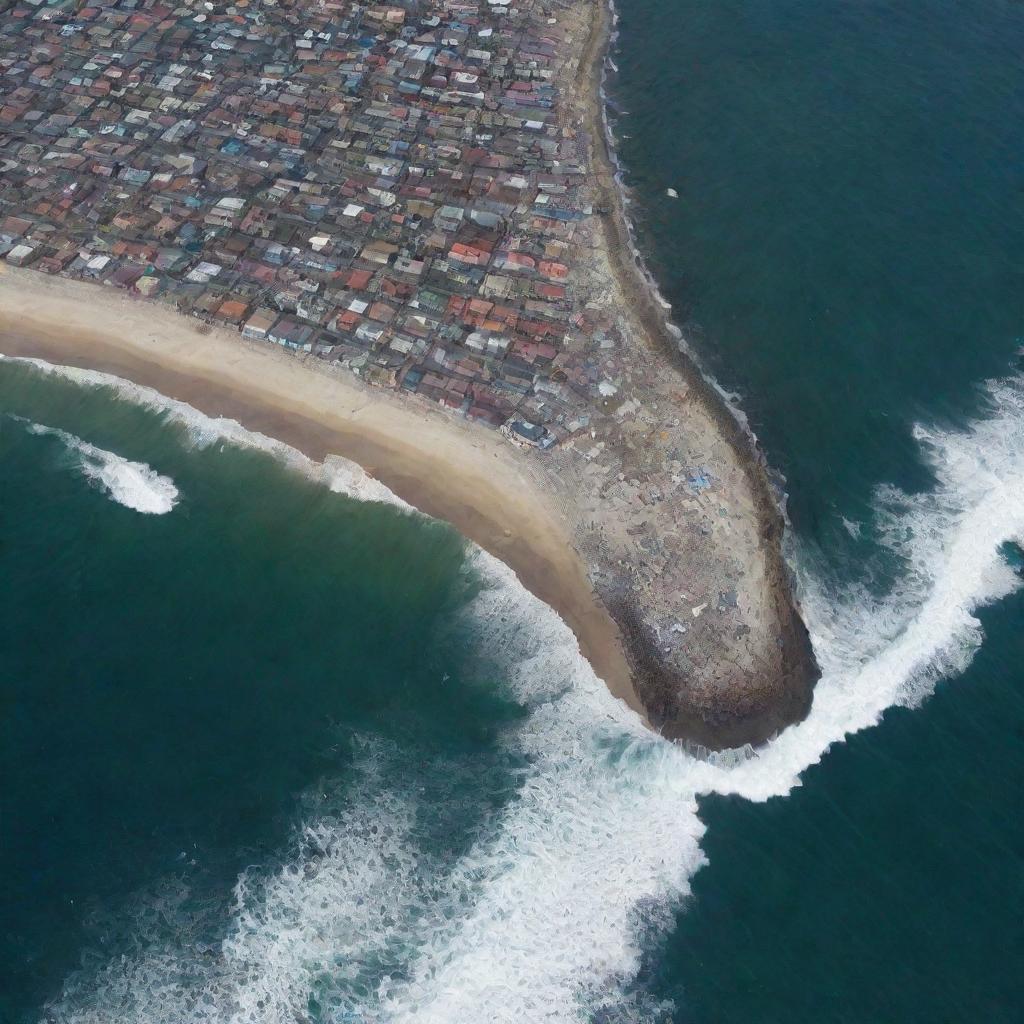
(754, 708)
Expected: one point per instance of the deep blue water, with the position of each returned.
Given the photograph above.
(175, 683)
(271, 754)
(846, 248)
(846, 254)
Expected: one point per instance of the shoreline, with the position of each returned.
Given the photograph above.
(445, 469)
(652, 526)
(654, 315)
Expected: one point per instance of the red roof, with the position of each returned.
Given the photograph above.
(359, 279)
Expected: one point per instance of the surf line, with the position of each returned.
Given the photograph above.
(135, 485)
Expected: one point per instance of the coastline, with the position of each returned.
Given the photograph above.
(654, 315)
(445, 468)
(653, 526)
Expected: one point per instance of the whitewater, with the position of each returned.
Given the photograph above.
(132, 484)
(546, 917)
(339, 474)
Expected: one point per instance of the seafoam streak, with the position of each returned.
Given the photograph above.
(132, 484)
(338, 474)
(878, 653)
(603, 840)
(545, 917)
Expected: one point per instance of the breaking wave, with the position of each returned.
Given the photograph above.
(541, 919)
(546, 915)
(877, 652)
(338, 474)
(132, 484)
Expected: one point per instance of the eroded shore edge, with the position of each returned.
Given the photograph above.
(637, 282)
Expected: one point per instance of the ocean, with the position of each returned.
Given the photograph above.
(277, 748)
(845, 256)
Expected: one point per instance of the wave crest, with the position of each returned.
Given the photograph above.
(546, 915)
(133, 484)
(340, 475)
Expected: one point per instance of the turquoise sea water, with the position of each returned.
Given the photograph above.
(272, 752)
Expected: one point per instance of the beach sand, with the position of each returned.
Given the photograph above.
(445, 467)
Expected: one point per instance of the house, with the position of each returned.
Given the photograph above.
(257, 326)
(23, 254)
(291, 333)
(527, 435)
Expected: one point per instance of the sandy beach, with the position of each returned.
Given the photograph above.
(446, 468)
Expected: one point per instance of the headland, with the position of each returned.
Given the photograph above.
(418, 203)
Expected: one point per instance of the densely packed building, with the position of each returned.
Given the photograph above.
(393, 187)
(405, 190)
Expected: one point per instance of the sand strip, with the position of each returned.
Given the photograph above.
(448, 468)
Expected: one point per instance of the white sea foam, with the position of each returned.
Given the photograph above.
(545, 917)
(339, 474)
(876, 653)
(355, 887)
(540, 920)
(603, 840)
(132, 484)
